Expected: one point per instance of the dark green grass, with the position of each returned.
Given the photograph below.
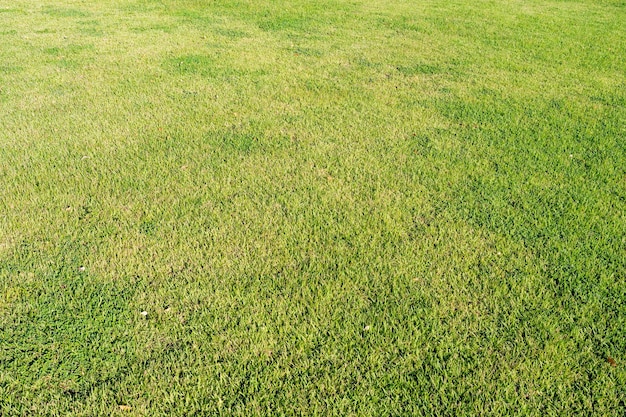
(324, 208)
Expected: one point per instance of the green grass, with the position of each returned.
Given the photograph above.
(371, 207)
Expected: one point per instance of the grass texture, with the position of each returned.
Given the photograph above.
(333, 207)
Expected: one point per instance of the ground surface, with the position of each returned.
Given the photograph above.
(325, 207)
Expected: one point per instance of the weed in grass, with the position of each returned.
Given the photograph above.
(63, 12)
(194, 64)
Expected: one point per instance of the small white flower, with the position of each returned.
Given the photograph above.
(366, 328)
(144, 313)
(81, 269)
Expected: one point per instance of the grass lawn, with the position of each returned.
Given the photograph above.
(330, 207)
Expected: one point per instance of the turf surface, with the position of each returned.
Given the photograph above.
(368, 207)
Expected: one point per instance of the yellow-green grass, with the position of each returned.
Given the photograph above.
(332, 207)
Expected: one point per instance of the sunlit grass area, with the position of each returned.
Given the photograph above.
(369, 207)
